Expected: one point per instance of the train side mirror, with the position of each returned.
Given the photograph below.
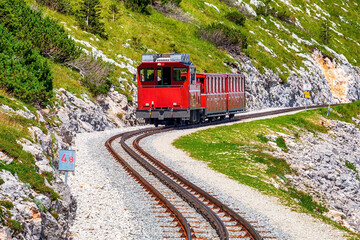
(134, 78)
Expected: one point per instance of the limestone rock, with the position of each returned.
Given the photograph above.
(328, 167)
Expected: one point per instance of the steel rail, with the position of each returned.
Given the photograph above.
(200, 207)
(251, 232)
(177, 215)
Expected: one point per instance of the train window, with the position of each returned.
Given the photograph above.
(163, 76)
(180, 74)
(201, 81)
(230, 84)
(193, 75)
(242, 85)
(146, 75)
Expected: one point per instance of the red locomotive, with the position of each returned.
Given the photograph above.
(170, 91)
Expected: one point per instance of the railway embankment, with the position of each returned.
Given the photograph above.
(34, 201)
(310, 161)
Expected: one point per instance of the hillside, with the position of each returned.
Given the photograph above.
(276, 41)
(58, 80)
(280, 45)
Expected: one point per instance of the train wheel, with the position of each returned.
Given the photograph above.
(156, 123)
(222, 117)
(231, 116)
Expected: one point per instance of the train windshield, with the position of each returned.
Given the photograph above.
(180, 74)
(146, 74)
(163, 76)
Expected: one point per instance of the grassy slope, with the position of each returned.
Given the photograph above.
(239, 151)
(157, 32)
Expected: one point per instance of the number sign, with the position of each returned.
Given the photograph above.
(307, 87)
(67, 160)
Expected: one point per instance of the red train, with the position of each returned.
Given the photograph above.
(170, 91)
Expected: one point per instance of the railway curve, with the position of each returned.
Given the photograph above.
(225, 222)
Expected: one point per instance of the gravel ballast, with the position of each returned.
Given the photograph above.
(111, 205)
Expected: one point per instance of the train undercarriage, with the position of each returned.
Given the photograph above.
(182, 116)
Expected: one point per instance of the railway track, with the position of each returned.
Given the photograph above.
(188, 212)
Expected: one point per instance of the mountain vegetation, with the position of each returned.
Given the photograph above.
(27, 42)
(275, 35)
(89, 17)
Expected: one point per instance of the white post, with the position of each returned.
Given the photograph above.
(66, 176)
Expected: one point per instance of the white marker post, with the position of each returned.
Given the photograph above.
(307, 88)
(66, 162)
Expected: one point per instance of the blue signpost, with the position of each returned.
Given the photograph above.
(66, 162)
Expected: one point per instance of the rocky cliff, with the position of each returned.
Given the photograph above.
(332, 81)
(26, 213)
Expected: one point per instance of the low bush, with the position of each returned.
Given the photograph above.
(95, 72)
(176, 2)
(223, 36)
(137, 5)
(62, 6)
(236, 17)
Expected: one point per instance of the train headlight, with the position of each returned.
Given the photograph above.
(147, 105)
(174, 104)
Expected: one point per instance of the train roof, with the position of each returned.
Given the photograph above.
(167, 57)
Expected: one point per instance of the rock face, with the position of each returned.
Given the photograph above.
(31, 210)
(333, 81)
(328, 167)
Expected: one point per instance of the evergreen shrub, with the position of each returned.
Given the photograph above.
(236, 17)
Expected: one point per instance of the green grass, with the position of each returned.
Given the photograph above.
(68, 79)
(262, 138)
(280, 142)
(6, 204)
(15, 225)
(241, 151)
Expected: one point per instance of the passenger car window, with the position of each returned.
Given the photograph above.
(180, 74)
(146, 74)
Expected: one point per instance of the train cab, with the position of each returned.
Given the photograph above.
(167, 88)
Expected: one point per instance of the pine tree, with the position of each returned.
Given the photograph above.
(89, 17)
(113, 10)
(137, 5)
(325, 34)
